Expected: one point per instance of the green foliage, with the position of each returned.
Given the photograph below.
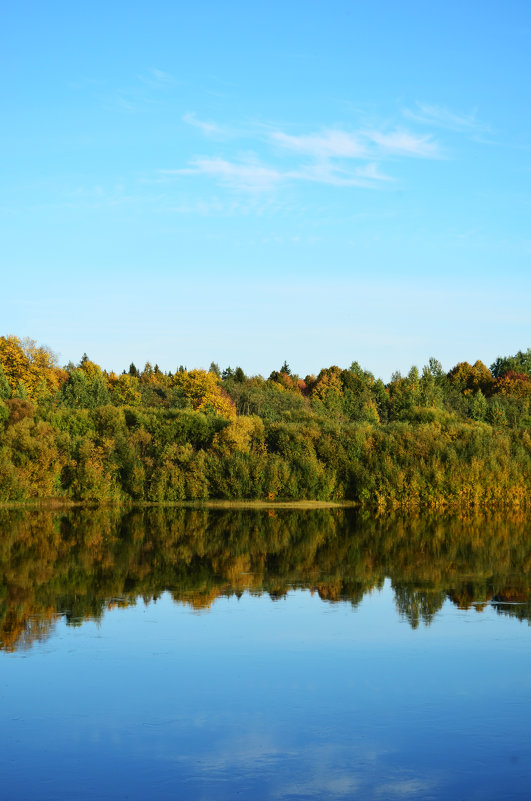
(496, 414)
(5, 389)
(519, 363)
(4, 414)
(21, 390)
(266, 399)
(478, 406)
(85, 391)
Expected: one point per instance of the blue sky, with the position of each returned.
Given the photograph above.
(250, 183)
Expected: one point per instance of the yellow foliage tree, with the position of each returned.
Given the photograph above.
(91, 369)
(328, 380)
(204, 391)
(23, 360)
(242, 434)
(126, 392)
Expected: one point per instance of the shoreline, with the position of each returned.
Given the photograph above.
(440, 507)
(53, 503)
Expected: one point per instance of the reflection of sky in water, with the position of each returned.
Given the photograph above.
(259, 699)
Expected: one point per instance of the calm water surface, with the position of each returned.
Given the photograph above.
(297, 655)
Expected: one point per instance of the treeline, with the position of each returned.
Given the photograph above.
(429, 438)
(82, 562)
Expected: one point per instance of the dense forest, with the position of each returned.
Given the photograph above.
(429, 438)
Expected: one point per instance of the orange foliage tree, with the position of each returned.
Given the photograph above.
(471, 377)
(516, 385)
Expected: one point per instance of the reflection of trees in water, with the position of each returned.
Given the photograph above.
(418, 605)
(513, 603)
(81, 562)
(21, 632)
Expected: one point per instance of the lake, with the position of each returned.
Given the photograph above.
(264, 654)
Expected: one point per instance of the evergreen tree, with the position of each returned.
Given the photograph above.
(496, 415)
(479, 406)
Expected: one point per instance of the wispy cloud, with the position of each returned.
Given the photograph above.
(329, 144)
(442, 117)
(332, 156)
(326, 172)
(248, 176)
(402, 143)
(372, 172)
(207, 128)
(337, 144)
(253, 176)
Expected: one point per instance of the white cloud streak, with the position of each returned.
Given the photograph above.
(442, 117)
(207, 128)
(363, 144)
(245, 176)
(325, 157)
(328, 173)
(252, 176)
(329, 144)
(402, 143)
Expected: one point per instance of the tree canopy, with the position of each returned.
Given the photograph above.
(427, 438)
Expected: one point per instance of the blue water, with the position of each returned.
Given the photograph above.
(259, 699)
